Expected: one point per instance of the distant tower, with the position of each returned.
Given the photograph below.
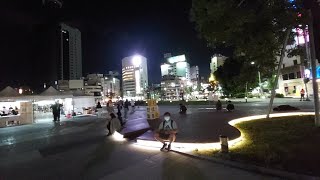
(52, 3)
(134, 77)
(70, 62)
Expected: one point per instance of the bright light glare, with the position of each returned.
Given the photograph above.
(252, 62)
(136, 60)
(118, 137)
(307, 73)
(188, 147)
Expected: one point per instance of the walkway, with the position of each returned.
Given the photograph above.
(79, 149)
(203, 124)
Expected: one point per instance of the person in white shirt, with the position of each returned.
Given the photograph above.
(167, 131)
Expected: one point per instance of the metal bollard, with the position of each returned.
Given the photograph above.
(224, 144)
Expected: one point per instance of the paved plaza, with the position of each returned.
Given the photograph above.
(79, 149)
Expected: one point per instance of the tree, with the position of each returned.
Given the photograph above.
(234, 75)
(255, 29)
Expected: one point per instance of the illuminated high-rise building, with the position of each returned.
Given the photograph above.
(134, 77)
(176, 66)
(175, 77)
(216, 61)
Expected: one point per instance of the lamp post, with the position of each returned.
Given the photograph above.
(259, 77)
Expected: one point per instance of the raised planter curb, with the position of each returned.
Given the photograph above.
(252, 168)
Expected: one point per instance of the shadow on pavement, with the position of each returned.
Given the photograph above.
(173, 168)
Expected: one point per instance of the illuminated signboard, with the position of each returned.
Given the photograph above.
(318, 72)
(176, 59)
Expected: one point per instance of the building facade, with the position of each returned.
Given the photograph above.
(216, 61)
(70, 65)
(111, 85)
(134, 77)
(176, 66)
(177, 77)
(194, 77)
(93, 85)
(293, 73)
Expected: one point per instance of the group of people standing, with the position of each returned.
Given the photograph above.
(116, 122)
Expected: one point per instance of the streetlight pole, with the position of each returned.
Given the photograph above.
(259, 76)
(314, 74)
(260, 88)
(246, 92)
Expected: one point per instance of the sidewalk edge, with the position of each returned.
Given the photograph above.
(252, 168)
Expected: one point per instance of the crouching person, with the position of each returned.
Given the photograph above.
(167, 131)
(230, 106)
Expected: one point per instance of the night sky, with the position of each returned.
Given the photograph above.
(110, 30)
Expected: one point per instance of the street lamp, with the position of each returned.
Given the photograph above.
(259, 77)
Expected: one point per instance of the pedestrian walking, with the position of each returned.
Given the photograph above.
(99, 109)
(302, 95)
(110, 108)
(126, 109)
(132, 105)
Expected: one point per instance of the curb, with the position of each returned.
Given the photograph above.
(252, 168)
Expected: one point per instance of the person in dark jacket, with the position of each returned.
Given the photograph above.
(56, 111)
(126, 108)
(218, 105)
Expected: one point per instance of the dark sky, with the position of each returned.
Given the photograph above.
(110, 30)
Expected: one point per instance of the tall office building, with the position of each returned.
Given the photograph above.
(70, 65)
(176, 66)
(134, 77)
(57, 51)
(194, 76)
(175, 75)
(216, 61)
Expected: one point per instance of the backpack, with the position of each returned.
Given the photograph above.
(165, 122)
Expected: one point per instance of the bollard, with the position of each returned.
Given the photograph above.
(224, 144)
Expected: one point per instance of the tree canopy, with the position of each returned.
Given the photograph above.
(235, 75)
(255, 29)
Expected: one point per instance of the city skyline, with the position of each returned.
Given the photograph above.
(161, 28)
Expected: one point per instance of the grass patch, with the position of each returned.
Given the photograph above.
(286, 143)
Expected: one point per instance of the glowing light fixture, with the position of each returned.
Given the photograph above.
(136, 60)
(176, 59)
(307, 73)
(118, 137)
(188, 147)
